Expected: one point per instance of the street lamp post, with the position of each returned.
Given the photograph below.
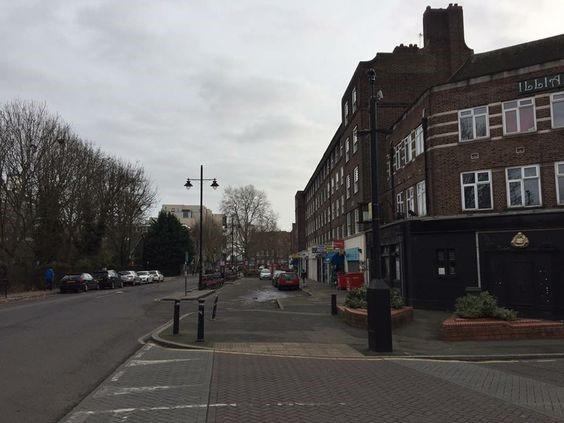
(189, 185)
(378, 292)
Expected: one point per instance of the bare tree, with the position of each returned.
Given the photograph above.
(61, 199)
(252, 213)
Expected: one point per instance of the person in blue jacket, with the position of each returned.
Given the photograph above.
(49, 278)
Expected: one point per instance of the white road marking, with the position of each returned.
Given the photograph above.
(109, 391)
(117, 376)
(134, 363)
(82, 415)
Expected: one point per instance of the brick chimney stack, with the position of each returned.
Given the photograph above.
(443, 33)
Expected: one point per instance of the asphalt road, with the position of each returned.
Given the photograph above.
(55, 351)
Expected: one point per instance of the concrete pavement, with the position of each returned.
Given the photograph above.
(254, 317)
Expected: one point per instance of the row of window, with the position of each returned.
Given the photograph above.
(519, 116)
(354, 103)
(412, 201)
(332, 187)
(409, 148)
(331, 162)
(523, 187)
(333, 210)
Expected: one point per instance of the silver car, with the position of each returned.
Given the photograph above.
(129, 277)
(157, 276)
(145, 276)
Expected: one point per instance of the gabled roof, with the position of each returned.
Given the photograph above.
(514, 57)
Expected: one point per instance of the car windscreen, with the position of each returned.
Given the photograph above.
(290, 276)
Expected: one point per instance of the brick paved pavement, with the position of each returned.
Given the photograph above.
(165, 385)
(262, 388)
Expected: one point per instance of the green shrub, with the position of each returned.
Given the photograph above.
(473, 306)
(356, 298)
(396, 300)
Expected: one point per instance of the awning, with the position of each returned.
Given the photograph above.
(334, 257)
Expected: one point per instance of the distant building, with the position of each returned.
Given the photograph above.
(189, 215)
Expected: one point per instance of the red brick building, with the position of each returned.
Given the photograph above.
(474, 156)
(474, 195)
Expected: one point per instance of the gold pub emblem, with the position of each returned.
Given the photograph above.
(520, 240)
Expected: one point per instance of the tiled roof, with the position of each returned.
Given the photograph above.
(514, 57)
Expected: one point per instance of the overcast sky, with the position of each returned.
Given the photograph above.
(251, 89)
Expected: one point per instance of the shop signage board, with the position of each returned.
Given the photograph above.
(541, 84)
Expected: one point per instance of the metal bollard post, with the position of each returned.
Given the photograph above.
(214, 307)
(200, 321)
(176, 323)
(333, 304)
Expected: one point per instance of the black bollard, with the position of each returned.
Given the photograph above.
(214, 307)
(176, 322)
(333, 304)
(379, 316)
(200, 321)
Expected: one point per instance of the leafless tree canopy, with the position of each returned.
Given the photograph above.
(251, 213)
(63, 201)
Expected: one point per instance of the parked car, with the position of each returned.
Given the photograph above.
(108, 279)
(275, 276)
(78, 283)
(264, 274)
(129, 277)
(145, 276)
(157, 276)
(287, 280)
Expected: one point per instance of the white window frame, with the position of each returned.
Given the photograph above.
(410, 200)
(342, 176)
(559, 99)
(472, 113)
(407, 148)
(347, 150)
(421, 198)
(355, 180)
(355, 140)
(520, 105)
(356, 220)
(354, 99)
(559, 182)
(419, 141)
(346, 112)
(400, 206)
(348, 186)
(523, 178)
(403, 161)
(475, 185)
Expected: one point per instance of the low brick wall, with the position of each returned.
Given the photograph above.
(357, 317)
(459, 329)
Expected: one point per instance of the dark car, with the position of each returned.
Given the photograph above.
(78, 283)
(108, 279)
(288, 280)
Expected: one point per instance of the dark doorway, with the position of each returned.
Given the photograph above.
(522, 280)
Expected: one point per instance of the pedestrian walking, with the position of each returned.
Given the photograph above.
(49, 278)
(304, 275)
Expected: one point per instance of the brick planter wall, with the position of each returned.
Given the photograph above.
(357, 317)
(458, 329)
